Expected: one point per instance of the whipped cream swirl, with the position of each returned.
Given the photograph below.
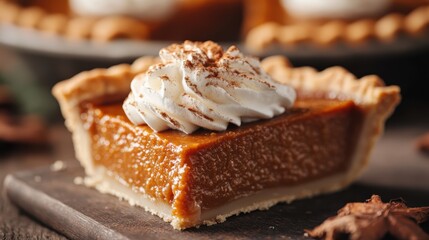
(144, 9)
(345, 9)
(200, 85)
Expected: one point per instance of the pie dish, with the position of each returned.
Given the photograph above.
(259, 23)
(319, 145)
(269, 23)
(102, 23)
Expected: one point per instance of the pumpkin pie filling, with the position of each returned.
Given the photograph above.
(311, 141)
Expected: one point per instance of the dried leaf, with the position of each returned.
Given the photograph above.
(372, 220)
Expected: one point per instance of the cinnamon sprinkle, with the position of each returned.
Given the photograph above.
(170, 119)
(193, 86)
(200, 114)
(164, 77)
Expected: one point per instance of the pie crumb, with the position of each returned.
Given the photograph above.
(58, 166)
(78, 180)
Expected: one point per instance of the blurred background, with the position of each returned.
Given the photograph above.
(43, 42)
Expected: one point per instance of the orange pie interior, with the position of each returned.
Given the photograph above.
(318, 146)
(221, 164)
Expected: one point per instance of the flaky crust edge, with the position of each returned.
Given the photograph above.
(376, 101)
(90, 85)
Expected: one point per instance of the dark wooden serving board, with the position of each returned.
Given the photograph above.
(82, 213)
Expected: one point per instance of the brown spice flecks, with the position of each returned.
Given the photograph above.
(267, 84)
(253, 68)
(211, 57)
(200, 114)
(164, 77)
(236, 72)
(242, 75)
(193, 86)
(374, 219)
(169, 119)
(233, 48)
(189, 64)
(141, 112)
(154, 68)
(208, 48)
(229, 84)
(423, 144)
(213, 74)
(165, 116)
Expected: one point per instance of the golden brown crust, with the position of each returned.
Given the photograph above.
(9, 12)
(328, 32)
(109, 28)
(97, 83)
(30, 17)
(334, 82)
(389, 26)
(53, 23)
(80, 27)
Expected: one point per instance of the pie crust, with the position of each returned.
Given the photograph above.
(375, 100)
(266, 30)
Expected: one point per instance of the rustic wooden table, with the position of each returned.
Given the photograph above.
(15, 224)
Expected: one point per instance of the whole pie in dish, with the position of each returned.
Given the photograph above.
(105, 20)
(288, 22)
(205, 134)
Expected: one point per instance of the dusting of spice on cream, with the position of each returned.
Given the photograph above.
(201, 85)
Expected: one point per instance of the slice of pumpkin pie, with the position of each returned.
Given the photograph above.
(201, 134)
